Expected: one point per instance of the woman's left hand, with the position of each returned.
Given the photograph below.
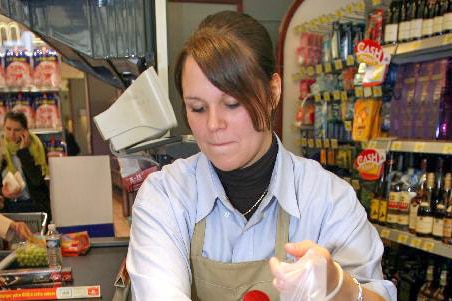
(298, 250)
(25, 140)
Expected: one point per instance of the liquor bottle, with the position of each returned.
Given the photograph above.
(394, 193)
(440, 210)
(416, 201)
(447, 19)
(426, 291)
(409, 187)
(436, 199)
(440, 292)
(392, 23)
(427, 23)
(383, 208)
(424, 222)
(443, 129)
(447, 226)
(440, 7)
(417, 9)
(404, 24)
(380, 195)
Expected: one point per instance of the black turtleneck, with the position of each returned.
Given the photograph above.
(245, 186)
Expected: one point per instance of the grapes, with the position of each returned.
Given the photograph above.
(31, 255)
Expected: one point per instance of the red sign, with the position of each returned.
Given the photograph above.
(369, 164)
(369, 52)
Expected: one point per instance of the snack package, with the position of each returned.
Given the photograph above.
(14, 181)
(46, 71)
(23, 103)
(17, 68)
(47, 115)
(304, 279)
(75, 244)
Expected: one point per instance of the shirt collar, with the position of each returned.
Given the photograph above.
(282, 184)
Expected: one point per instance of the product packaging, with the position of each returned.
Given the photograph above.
(304, 279)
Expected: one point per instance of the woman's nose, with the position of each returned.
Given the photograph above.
(216, 120)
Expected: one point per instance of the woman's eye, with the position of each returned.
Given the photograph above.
(233, 105)
(197, 109)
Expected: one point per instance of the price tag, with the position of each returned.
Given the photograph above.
(344, 95)
(337, 95)
(311, 143)
(384, 233)
(447, 149)
(415, 242)
(359, 91)
(419, 147)
(372, 144)
(328, 68)
(350, 60)
(304, 142)
(310, 71)
(334, 143)
(348, 125)
(367, 92)
(296, 77)
(302, 71)
(326, 143)
(338, 65)
(428, 246)
(402, 238)
(356, 185)
(318, 143)
(326, 96)
(396, 146)
(376, 3)
(319, 69)
(447, 39)
(377, 91)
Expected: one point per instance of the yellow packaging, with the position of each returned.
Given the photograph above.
(365, 119)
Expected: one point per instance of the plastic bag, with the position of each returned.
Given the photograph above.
(304, 279)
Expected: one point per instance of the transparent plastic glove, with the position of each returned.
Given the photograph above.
(304, 279)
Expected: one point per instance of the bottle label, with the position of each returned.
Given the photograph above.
(383, 211)
(447, 228)
(413, 216)
(394, 198)
(427, 27)
(392, 218)
(53, 243)
(438, 24)
(403, 219)
(424, 224)
(404, 200)
(416, 28)
(438, 227)
(447, 22)
(404, 30)
(374, 209)
(391, 31)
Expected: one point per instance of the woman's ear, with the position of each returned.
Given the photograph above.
(275, 85)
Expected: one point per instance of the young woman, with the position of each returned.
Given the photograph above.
(204, 228)
(24, 153)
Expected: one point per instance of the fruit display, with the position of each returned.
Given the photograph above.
(31, 255)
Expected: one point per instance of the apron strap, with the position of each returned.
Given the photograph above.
(282, 233)
(197, 241)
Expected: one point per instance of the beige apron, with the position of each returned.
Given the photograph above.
(214, 280)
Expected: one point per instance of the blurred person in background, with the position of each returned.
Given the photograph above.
(24, 153)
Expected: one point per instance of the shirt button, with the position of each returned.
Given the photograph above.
(227, 214)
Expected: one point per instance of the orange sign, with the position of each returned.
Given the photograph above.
(369, 164)
(369, 52)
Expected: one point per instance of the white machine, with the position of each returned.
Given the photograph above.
(143, 112)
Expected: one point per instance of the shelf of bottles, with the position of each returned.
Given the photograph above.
(429, 245)
(411, 146)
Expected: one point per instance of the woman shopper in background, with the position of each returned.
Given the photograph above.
(204, 228)
(24, 153)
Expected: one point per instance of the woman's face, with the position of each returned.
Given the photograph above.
(13, 130)
(221, 125)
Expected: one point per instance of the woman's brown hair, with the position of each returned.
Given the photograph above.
(235, 53)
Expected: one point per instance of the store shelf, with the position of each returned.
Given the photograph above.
(421, 50)
(29, 90)
(425, 244)
(380, 144)
(46, 131)
(429, 147)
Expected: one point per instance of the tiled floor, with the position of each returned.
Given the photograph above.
(121, 223)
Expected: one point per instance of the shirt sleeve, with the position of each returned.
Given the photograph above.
(158, 255)
(4, 226)
(353, 242)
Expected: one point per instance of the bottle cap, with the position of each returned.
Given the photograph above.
(52, 227)
(255, 296)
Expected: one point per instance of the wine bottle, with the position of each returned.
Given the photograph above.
(427, 23)
(424, 222)
(417, 9)
(392, 23)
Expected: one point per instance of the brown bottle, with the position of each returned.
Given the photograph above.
(383, 208)
(439, 211)
(427, 289)
(424, 222)
(380, 194)
(440, 292)
(416, 201)
(447, 226)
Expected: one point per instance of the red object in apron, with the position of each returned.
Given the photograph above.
(255, 296)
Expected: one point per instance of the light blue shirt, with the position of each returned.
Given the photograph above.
(323, 208)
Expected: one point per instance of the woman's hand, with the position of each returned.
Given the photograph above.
(298, 250)
(25, 140)
(22, 230)
(10, 194)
